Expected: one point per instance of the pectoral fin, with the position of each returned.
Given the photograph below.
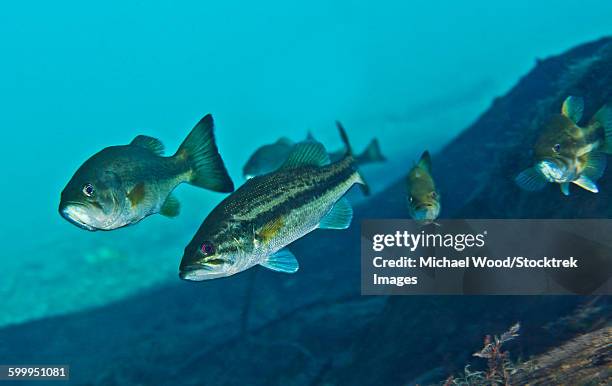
(281, 261)
(603, 118)
(595, 165)
(171, 207)
(530, 180)
(586, 183)
(137, 194)
(339, 217)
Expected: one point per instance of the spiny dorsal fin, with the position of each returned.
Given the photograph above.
(171, 207)
(564, 188)
(573, 108)
(150, 143)
(307, 153)
(284, 141)
(425, 161)
(137, 194)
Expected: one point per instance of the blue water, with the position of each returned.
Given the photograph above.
(78, 76)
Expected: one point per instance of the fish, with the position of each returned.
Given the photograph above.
(121, 185)
(253, 225)
(371, 154)
(424, 202)
(566, 152)
(270, 157)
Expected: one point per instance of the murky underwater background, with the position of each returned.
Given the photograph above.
(76, 77)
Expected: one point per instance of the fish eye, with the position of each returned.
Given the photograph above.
(434, 195)
(556, 148)
(207, 248)
(88, 190)
(410, 198)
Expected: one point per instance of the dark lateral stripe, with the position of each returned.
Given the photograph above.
(305, 196)
(272, 197)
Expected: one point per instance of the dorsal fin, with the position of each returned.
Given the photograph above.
(573, 108)
(425, 161)
(150, 143)
(284, 141)
(307, 153)
(345, 139)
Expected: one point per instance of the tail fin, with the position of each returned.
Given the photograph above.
(603, 118)
(365, 188)
(200, 152)
(372, 153)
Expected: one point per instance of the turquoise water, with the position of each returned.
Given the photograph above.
(76, 77)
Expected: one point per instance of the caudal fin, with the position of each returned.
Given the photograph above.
(603, 118)
(371, 154)
(201, 155)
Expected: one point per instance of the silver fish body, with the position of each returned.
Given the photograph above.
(253, 225)
(121, 185)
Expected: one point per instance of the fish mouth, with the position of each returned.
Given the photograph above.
(67, 211)
(199, 273)
(425, 212)
(553, 170)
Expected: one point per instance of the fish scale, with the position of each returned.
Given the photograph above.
(266, 214)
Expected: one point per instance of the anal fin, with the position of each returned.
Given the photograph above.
(150, 143)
